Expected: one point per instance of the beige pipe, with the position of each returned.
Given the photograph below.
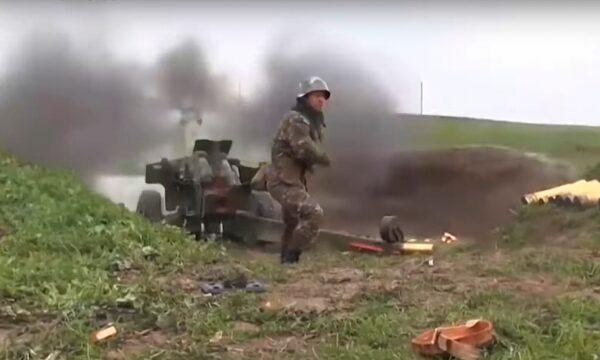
(586, 194)
(416, 248)
(545, 195)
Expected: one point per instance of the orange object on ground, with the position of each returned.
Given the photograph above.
(104, 334)
(461, 341)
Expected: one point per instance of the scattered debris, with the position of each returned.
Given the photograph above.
(104, 334)
(217, 337)
(448, 238)
(221, 287)
(461, 341)
(212, 288)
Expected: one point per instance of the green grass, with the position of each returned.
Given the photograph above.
(577, 144)
(65, 250)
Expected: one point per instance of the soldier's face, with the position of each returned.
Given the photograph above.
(317, 100)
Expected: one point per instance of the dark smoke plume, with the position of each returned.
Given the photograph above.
(185, 79)
(62, 106)
(362, 129)
(359, 108)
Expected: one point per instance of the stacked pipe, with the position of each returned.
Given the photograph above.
(579, 193)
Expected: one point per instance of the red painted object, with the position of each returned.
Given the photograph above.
(358, 246)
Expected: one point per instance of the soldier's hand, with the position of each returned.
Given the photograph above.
(325, 160)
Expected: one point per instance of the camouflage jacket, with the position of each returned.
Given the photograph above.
(296, 149)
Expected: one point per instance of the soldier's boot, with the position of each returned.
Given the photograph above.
(303, 236)
(288, 254)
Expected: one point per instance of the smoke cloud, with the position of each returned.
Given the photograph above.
(359, 107)
(185, 79)
(69, 106)
(66, 106)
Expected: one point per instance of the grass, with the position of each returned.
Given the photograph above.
(71, 262)
(578, 145)
(64, 249)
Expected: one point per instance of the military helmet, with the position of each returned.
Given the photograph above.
(313, 83)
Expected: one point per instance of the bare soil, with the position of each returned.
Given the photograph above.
(270, 348)
(332, 290)
(139, 344)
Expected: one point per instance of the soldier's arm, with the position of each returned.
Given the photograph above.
(303, 146)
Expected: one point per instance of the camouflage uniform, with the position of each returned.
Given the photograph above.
(294, 153)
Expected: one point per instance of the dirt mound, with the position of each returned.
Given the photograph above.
(466, 191)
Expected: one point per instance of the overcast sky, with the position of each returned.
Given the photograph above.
(513, 61)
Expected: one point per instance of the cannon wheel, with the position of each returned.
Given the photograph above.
(150, 205)
(390, 230)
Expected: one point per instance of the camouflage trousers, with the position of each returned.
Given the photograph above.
(302, 215)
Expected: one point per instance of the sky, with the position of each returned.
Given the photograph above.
(517, 61)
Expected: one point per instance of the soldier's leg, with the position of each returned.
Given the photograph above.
(279, 192)
(310, 218)
(302, 216)
(290, 221)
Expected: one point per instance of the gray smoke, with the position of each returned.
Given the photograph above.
(185, 79)
(362, 128)
(62, 106)
(359, 109)
(65, 107)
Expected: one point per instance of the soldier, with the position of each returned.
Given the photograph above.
(294, 153)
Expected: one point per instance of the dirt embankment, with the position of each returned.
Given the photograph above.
(466, 191)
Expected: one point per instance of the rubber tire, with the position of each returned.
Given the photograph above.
(390, 230)
(150, 205)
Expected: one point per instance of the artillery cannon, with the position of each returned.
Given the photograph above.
(204, 191)
(209, 194)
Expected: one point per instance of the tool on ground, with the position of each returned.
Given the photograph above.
(462, 341)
